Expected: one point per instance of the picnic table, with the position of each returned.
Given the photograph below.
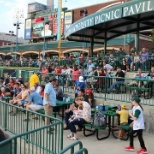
(90, 127)
(61, 104)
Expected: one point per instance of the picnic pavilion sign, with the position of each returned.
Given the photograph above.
(124, 10)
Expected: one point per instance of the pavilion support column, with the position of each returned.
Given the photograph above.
(92, 47)
(105, 43)
(137, 37)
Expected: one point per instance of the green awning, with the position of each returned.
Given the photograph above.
(112, 22)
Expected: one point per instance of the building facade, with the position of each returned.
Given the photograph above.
(10, 39)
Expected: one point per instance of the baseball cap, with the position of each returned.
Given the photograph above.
(81, 79)
(89, 91)
(136, 99)
(52, 79)
(123, 106)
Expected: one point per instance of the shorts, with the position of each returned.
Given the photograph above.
(23, 102)
(124, 123)
(35, 107)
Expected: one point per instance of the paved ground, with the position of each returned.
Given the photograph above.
(110, 145)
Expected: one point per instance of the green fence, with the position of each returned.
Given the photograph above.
(141, 87)
(33, 138)
(71, 149)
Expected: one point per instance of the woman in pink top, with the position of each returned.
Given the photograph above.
(75, 74)
(44, 72)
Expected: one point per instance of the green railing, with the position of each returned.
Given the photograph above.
(33, 138)
(143, 87)
(71, 149)
(34, 141)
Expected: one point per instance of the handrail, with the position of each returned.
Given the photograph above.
(32, 132)
(29, 132)
(71, 147)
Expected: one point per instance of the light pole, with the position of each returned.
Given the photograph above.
(59, 27)
(11, 34)
(18, 15)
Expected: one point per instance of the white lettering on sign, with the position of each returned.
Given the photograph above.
(137, 8)
(149, 6)
(81, 25)
(100, 18)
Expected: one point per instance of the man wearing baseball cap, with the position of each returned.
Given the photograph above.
(138, 126)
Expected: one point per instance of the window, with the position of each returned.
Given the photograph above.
(83, 12)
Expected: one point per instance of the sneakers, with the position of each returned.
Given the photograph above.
(129, 148)
(70, 135)
(142, 151)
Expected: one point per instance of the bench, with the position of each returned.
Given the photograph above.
(92, 129)
(142, 89)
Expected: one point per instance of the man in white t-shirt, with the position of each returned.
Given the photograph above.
(107, 67)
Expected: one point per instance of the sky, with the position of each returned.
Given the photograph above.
(7, 9)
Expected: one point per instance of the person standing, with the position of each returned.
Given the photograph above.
(138, 126)
(49, 100)
(34, 78)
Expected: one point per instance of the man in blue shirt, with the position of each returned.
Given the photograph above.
(35, 101)
(49, 100)
(90, 65)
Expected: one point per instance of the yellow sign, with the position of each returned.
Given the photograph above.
(68, 17)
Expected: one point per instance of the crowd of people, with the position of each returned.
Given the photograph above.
(33, 96)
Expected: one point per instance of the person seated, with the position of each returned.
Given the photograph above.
(90, 95)
(124, 66)
(81, 120)
(5, 92)
(16, 89)
(79, 84)
(119, 80)
(35, 102)
(107, 67)
(69, 112)
(137, 75)
(100, 80)
(37, 87)
(22, 98)
(11, 83)
(149, 84)
(42, 91)
(124, 114)
(59, 92)
(77, 113)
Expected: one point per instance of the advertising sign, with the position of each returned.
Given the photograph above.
(68, 20)
(28, 28)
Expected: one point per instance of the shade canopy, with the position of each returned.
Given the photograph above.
(112, 22)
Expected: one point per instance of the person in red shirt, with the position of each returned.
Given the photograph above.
(58, 70)
(12, 82)
(81, 59)
(75, 74)
(44, 73)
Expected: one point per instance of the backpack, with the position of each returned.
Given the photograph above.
(99, 119)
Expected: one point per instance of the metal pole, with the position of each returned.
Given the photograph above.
(59, 27)
(17, 37)
(44, 36)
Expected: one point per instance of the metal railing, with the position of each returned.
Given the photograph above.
(33, 137)
(141, 87)
(71, 149)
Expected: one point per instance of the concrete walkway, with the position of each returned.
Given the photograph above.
(110, 145)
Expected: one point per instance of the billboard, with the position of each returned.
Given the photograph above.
(28, 28)
(68, 20)
(43, 26)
